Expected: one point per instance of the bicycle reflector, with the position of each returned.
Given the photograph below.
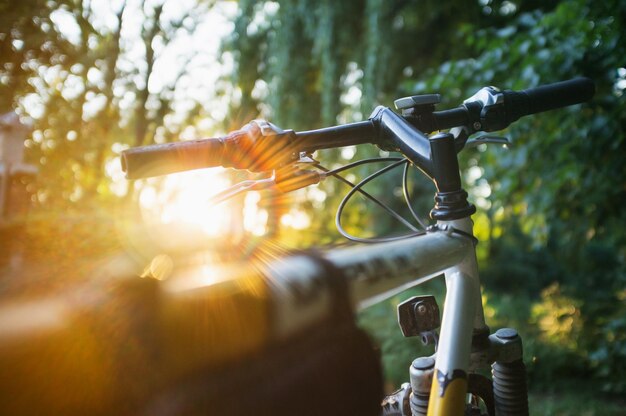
(418, 314)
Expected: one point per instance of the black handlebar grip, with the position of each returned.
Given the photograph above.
(162, 159)
(547, 97)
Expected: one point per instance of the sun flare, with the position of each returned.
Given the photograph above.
(184, 200)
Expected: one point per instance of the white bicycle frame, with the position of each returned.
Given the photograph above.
(376, 272)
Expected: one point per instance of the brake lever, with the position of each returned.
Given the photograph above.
(241, 187)
(489, 139)
(286, 179)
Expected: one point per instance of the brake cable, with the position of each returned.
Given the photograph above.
(269, 182)
(407, 199)
(398, 161)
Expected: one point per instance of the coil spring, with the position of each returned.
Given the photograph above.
(419, 404)
(509, 388)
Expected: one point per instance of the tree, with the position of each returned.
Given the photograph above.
(560, 190)
(77, 69)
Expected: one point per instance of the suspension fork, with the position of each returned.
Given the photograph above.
(462, 314)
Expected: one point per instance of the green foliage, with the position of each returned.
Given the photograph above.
(552, 211)
(27, 35)
(562, 181)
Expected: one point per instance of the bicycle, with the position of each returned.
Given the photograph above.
(464, 343)
(305, 295)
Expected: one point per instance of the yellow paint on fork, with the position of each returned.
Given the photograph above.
(452, 402)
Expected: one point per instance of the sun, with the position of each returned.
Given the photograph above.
(183, 200)
(189, 201)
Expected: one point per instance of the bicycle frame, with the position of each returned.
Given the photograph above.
(373, 274)
(303, 290)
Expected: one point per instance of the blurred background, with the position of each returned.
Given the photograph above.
(82, 80)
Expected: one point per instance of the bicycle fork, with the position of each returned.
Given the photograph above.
(462, 313)
(465, 346)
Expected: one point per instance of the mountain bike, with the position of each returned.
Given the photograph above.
(280, 338)
(448, 382)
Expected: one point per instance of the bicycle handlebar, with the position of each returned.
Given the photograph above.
(548, 97)
(488, 110)
(163, 159)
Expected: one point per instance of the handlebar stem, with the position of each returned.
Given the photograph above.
(436, 157)
(450, 199)
(411, 142)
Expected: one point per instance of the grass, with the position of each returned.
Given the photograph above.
(578, 401)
